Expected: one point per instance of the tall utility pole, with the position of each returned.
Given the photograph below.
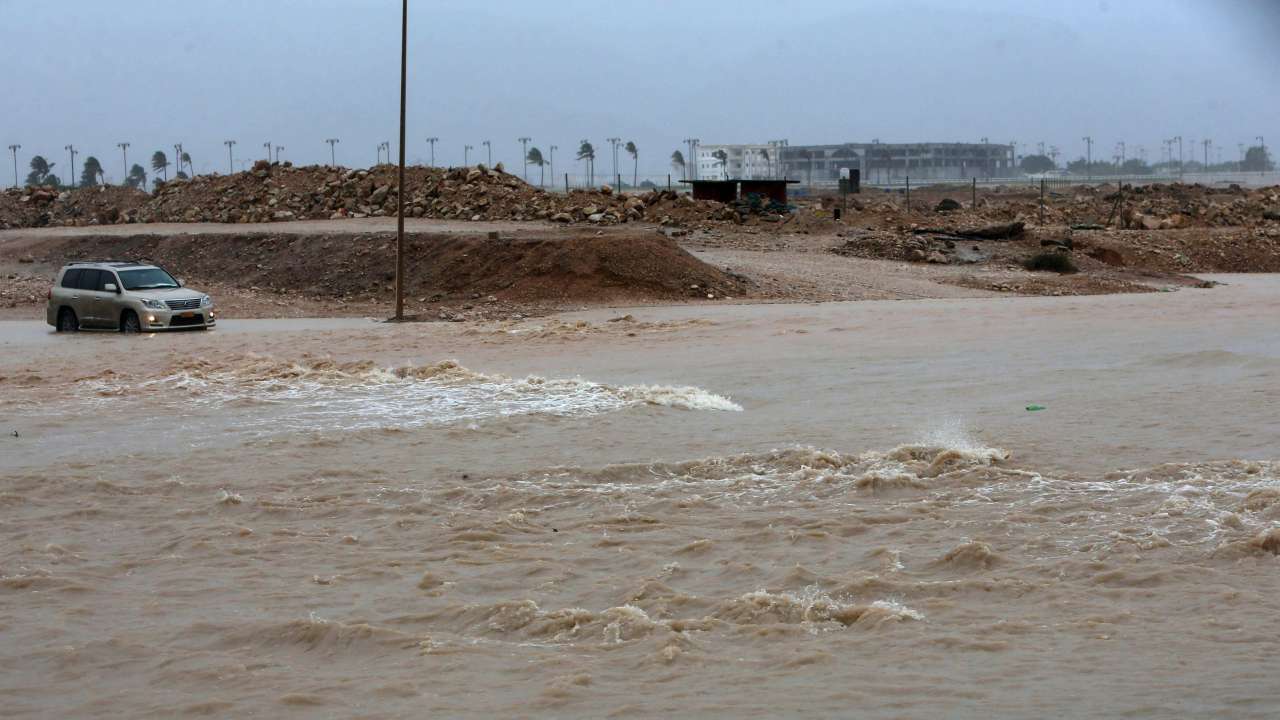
(1122, 153)
(466, 155)
(1206, 142)
(124, 148)
(1263, 143)
(231, 162)
(333, 160)
(14, 149)
(71, 179)
(267, 145)
(693, 156)
(524, 154)
(1179, 139)
(400, 193)
(613, 142)
(1040, 146)
(552, 162)
(177, 157)
(384, 146)
(432, 142)
(1240, 162)
(488, 145)
(278, 149)
(986, 158)
(1088, 166)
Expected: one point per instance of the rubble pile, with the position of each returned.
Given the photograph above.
(44, 206)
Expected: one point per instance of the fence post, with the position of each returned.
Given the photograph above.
(975, 193)
(1042, 201)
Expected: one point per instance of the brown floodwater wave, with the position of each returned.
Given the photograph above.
(934, 578)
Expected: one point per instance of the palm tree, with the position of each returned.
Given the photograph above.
(160, 163)
(92, 172)
(634, 152)
(137, 177)
(677, 162)
(535, 158)
(723, 158)
(587, 152)
(41, 171)
(186, 160)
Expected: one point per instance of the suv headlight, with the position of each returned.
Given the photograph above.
(206, 301)
(152, 304)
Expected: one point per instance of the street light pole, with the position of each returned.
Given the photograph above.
(524, 155)
(1088, 162)
(124, 149)
(432, 142)
(14, 149)
(1207, 142)
(333, 161)
(693, 156)
(552, 162)
(489, 146)
(231, 163)
(400, 187)
(177, 149)
(466, 155)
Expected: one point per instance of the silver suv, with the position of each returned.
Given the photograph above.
(126, 296)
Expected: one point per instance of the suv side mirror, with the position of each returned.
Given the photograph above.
(110, 287)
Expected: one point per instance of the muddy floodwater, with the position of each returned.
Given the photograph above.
(838, 510)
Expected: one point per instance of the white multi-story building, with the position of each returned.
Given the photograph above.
(737, 162)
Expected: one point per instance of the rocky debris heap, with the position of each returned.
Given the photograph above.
(279, 193)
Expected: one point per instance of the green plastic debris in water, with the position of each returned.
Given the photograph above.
(1035, 408)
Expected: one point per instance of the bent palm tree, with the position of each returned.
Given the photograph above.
(92, 172)
(41, 172)
(677, 163)
(137, 177)
(586, 151)
(160, 163)
(634, 152)
(186, 160)
(535, 158)
(723, 158)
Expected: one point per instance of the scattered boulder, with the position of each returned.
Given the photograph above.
(947, 205)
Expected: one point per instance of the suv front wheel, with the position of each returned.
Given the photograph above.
(67, 321)
(129, 322)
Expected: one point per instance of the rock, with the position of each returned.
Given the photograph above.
(1272, 214)
(947, 205)
(915, 255)
(606, 189)
(379, 195)
(281, 216)
(937, 258)
(562, 217)
(27, 259)
(595, 217)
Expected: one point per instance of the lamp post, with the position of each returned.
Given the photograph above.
(333, 161)
(268, 145)
(1206, 142)
(466, 155)
(1178, 139)
(177, 149)
(14, 149)
(1088, 162)
(71, 177)
(524, 154)
(124, 149)
(489, 146)
(551, 160)
(231, 162)
(383, 146)
(613, 143)
(693, 155)
(278, 149)
(432, 142)
(400, 190)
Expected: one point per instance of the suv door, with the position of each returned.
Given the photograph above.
(89, 306)
(67, 292)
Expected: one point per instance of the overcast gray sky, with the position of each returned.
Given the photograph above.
(154, 72)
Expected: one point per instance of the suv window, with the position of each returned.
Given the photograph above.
(89, 279)
(104, 277)
(147, 279)
(71, 278)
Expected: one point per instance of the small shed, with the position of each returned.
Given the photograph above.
(726, 191)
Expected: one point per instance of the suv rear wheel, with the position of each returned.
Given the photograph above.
(129, 322)
(67, 321)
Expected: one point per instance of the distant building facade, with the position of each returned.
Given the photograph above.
(877, 162)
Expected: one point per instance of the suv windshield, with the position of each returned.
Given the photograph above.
(148, 279)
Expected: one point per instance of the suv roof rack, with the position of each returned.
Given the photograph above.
(109, 262)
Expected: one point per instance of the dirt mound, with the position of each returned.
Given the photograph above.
(279, 193)
(582, 268)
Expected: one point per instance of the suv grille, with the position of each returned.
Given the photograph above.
(191, 304)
